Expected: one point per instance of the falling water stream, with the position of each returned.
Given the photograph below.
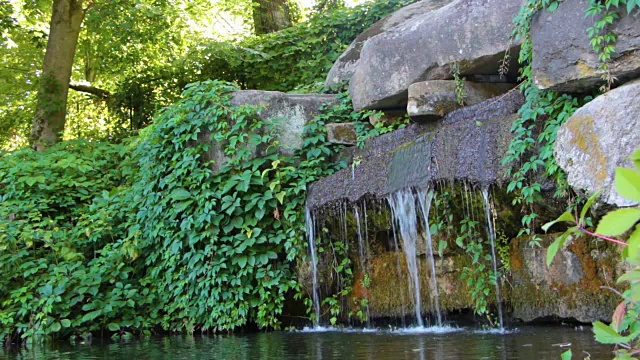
(363, 258)
(311, 237)
(403, 210)
(399, 269)
(424, 198)
(492, 238)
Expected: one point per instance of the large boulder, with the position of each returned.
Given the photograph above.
(599, 137)
(284, 114)
(563, 59)
(343, 68)
(471, 33)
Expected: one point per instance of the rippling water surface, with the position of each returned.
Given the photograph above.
(529, 342)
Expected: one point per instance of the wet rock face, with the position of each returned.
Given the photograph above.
(285, 113)
(467, 146)
(563, 59)
(599, 137)
(571, 287)
(342, 70)
(472, 33)
(431, 100)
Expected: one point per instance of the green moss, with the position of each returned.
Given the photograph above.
(531, 297)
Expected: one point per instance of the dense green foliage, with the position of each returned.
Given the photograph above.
(294, 59)
(144, 236)
(167, 56)
(52, 265)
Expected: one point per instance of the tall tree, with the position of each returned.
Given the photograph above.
(271, 15)
(64, 30)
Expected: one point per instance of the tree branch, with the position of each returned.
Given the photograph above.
(91, 90)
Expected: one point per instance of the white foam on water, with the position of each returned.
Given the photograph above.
(496, 331)
(324, 329)
(427, 330)
(317, 329)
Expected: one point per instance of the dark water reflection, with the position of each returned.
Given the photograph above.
(526, 343)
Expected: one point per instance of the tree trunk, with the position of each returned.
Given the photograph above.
(49, 119)
(271, 15)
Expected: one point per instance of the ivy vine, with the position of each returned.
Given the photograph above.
(158, 235)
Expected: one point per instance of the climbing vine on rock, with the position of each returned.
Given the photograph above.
(530, 158)
(478, 275)
(601, 38)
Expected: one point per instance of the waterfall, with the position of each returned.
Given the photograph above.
(363, 258)
(403, 211)
(399, 268)
(424, 198)
(311, 237)
(492, 238)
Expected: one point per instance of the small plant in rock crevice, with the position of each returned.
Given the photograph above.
(478, 275)
(459, 81)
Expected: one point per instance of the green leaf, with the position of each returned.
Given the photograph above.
(182, 205)
(635, 157)
(65, 323)
(567, 354)
(634, 245)
(556, 245)
(55, 327)
(606, 335)
(113, 327)
(618, 221)
(566, 216)
(631, 276)
(552, 7)
(441, 246)
(46, 290)
(628, 183)
(242, 261)
(588, 204)
(91, 315)
(180, 194)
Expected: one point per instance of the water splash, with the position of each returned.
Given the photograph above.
(428, 330)
(425, 198)
(311, 238)
(403, 210)
(492, 238)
